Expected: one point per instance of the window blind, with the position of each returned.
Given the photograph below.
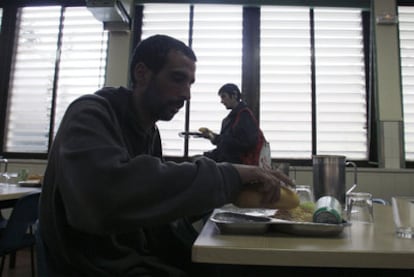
(172, 20)
(78, 63)
(83, 58)
(285, 81)
(32, 76)
(406, 33)
(341, 119)
(286, 88)
(217, 42)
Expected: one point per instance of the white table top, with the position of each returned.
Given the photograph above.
(358, 246)
(11, 192)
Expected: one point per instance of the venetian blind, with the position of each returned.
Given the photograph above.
(31, 80)
(77, 67)
(217, 42)
(341, 109)
(172, 20)
(286, 83)
(83, 58)
(406, 33)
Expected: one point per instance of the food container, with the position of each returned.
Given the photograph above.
(328, 210)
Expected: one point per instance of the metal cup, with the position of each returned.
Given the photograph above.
(329, 177)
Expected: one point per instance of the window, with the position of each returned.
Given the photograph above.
(312, 75)
(217, 42)
(406, 33)
(339, 82)
(304, 107)
(60, 54)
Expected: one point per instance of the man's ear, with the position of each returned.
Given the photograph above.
(142, 74)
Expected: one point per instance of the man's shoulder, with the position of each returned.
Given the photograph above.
(112, 92)
(105, 96)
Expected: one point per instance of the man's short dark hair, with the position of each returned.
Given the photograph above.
(230, 89)
(153, 52)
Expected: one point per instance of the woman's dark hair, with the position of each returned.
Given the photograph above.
(230, 89)
(153, 53)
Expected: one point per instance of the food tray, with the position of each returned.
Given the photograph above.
(309, 228)
(239, 223)
(236, 223)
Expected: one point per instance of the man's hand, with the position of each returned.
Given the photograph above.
(263, 187)
(207, 133)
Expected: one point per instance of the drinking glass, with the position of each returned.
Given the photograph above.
(359, 207)
(305, 193)
(403, 214)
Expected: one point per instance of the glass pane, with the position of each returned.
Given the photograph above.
(340, 83)
(81, 70)
(285, 81)
(172, 20)
(406, 31)
(31, 80)
(217, 42)
(83, 58)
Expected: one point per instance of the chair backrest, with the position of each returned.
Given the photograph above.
(23, 215)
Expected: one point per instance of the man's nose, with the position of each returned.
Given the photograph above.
(186, 92)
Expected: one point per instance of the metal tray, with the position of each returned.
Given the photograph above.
(308, 228)
(238, 223)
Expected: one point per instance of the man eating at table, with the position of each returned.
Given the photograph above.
(111, 205)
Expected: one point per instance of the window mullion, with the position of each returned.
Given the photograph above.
(55, 79)
(313, 82)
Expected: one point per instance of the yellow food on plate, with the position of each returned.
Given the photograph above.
(302, 213)
(252, 198)
(34, 177)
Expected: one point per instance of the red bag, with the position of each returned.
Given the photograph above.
(260, 154)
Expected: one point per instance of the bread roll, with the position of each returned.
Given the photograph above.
(252, 198)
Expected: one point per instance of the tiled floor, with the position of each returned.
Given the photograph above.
(22, 269)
